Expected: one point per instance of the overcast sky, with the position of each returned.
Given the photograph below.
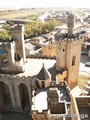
(44, 3)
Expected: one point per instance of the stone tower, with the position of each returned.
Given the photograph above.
(18, 35)
(68, 53)
(70, 24)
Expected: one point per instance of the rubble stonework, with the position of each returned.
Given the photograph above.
(10, 87)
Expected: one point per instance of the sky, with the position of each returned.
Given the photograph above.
(44, 3)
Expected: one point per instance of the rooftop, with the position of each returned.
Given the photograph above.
(40, 100)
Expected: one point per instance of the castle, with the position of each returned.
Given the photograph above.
(47, 94)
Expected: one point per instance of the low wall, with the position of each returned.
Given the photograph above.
(83, 101)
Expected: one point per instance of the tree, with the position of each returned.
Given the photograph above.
(4, 34)
(37, 28)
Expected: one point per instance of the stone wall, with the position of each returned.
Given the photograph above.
(60, 77)
(74, 109)
(13, 83)
(49, 50)
(39, 116)
(83, 101)
(79, 102)
(73, 61)
(68, 57)
(15, 51)
(18, 35)
(61, 55)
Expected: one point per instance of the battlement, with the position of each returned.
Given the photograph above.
(65, 37)
(8, 76)
(71, 35)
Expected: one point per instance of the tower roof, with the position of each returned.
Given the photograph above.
(2, 51)
(43, 74)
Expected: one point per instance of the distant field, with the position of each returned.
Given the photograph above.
(79, 13)
(18, 14)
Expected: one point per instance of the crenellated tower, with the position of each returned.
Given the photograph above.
(68, 52)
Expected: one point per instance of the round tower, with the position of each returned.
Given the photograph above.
(70, 24)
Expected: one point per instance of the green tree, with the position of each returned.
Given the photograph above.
(36, 28)
(4, 34)
(53, 24)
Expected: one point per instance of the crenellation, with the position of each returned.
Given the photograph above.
(12, 77)
(69, 58)
(4, 76)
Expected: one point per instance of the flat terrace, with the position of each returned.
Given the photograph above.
(40, 100)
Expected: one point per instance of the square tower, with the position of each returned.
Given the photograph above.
(18, 36)
(68, 53)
